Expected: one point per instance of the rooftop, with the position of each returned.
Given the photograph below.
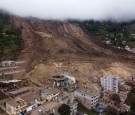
(110, 76)
(58, 78)
(16, 103)
(30, 97)
(86, 91)
(51, 91)
(13, 103)
(20, 90)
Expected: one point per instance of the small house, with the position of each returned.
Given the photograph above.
(14, 107)
(59, 81)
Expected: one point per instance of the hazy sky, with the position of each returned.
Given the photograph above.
(120, 10)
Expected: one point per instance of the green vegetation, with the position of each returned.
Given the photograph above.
(83, 109)
(9, 39)
(111, 111)
(2, 95)
(64, 109)
(119, 34)
(115, 97)
(131, 97)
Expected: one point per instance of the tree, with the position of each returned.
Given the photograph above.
(115, 97)
(64, 109)
(111, 111)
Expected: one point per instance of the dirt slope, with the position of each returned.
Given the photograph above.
(60, 46)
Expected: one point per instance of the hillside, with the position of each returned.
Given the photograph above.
(117, 34)
(9, 38)
(52, 47)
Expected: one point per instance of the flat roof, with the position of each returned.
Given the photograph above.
(20, 90)
(13, 103)
(30, 97)
(90, 92)
(58, 78)
(53, 91)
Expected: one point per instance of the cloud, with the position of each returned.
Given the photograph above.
(118, 10)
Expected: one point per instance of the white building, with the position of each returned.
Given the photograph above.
(110, 83)
(88, 97)
(8, 63)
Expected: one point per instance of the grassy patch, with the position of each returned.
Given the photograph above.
(83, 109)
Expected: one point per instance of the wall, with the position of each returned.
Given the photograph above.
(10, 110)
(85, 100)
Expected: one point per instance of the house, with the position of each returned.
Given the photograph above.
(59, 81)
(70, 101)
(71, 79)
(20, 92)
(88, 97)
(31, 107)
(50, 94)
(110, 83)
(14, 107)
(108, 42)
(127, 48)
(7, 63)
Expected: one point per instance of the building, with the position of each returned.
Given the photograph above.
(110, 83)
(14, 107)
(7, 63)
(59, 81)
(100, 108)
(50, 94)
(88, 97)
(20, 92)
(71, 103)
(31, 107)
(71, 79)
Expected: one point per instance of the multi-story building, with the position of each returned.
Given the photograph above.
(110, 83)
(88, 97)
(71, 102)
(14, 107)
